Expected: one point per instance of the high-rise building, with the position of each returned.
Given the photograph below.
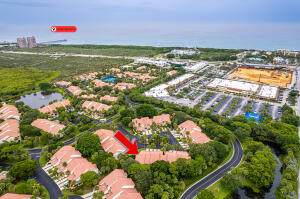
(22, 43)
(31, 42)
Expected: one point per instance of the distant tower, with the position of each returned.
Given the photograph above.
(31, 42)
(22, 43)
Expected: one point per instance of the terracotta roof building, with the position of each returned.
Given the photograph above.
(109, 98)
(90, 96)
(100, 83)
(52, 107)
(9, 130)
(116, 185)
(8, 112)
(63, 84)
(76, 164)
(124, 85)
(195, 132)
(95, 106)
(15, 196)
(115, 70)
(148, 157)
(145, 122)
(142, 68)
(109, 143)
(74, 90)
(172, 72)
(48, 126)
(88, 76)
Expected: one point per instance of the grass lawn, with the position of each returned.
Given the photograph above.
(22, 78)
(67, 66)
(107, 50)
(218, 191)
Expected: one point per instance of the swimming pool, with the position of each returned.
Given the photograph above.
(109, 79)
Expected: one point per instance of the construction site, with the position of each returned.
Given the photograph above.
(265, 75)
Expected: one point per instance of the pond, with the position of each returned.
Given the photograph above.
(38, 99)
(247, 193)
(109, 79)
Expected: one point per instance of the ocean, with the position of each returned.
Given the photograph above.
(230, 36)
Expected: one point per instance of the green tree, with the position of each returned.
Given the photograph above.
(230, 182)
(104, 161)
(146, 110)
(88, 144)
(205, 194)
(89, 179)
(23, 169)
(170, 56)
(45, 86)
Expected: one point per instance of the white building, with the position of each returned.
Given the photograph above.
(269, 92)
(184, 52)
(196, 67)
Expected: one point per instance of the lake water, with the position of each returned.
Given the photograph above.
(38, 99)
(248, 194)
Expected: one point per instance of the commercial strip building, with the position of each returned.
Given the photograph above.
(190, 130)
(116, 185)
(52, 107)
(263, 91)
(109, 143)
(184, 52)
(196, 67)
(71, 163)
(9, 130)
(161, 90)
(148, 157)
(48, 126)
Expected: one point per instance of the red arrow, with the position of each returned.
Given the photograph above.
(132, 148)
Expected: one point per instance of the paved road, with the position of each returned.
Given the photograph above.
(213, 177)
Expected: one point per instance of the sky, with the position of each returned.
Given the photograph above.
(20, 16)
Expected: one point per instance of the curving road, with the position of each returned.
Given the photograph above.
(213, 177)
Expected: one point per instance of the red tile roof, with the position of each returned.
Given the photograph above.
(100, 83)
(9, 130)
(141, 67)
(95, 106)
(195, 132)
(109, 98)
(108, 142)
(148, 157)
(115, 70)
(52, 107)
(15, 196)
(172, 72)
(116, 185)
(124, 85)
(48, 126)
(8, 112)
(91, 96)
(75, 90)
(145, 122)
(76, 164)
(63, 84)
